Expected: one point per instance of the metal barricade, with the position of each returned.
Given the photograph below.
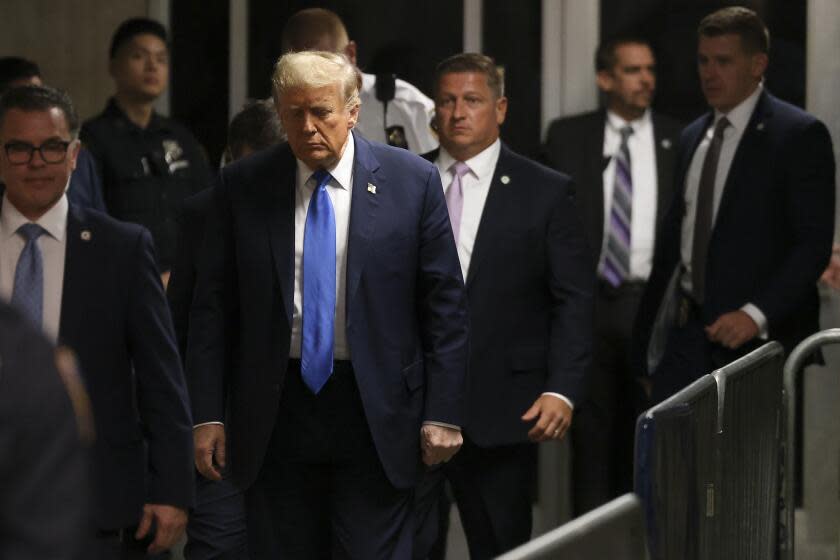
(793, 368)
(707, 463)
(749, 425)
(675, 460)
(614, 531)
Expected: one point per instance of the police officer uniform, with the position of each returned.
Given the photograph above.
(409, 116)
(146, 172)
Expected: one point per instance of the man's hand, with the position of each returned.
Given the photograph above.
(831, 276)
(732, 329)
(553, 416)
(169, 523)
(209, 441)
(439, 443)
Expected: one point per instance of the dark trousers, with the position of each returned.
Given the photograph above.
(493, 488)
(322, 491)
(216, 528)
(604, 422)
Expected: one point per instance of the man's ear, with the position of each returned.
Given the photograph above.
(350, 51)
(604, 80)
(759, 64)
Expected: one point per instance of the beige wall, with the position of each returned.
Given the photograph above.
(69, 41)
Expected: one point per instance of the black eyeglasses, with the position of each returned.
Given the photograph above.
(52, 151)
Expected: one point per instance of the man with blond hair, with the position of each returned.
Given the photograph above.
(350, 354)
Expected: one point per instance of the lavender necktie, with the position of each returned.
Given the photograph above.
(455, 196)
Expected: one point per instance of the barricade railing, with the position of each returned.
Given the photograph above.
(674, 462)
(707, 463)
(614, 531)
(750, 424)
(793, 368)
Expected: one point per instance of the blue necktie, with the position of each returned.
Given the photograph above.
(316, 354)
(28, 291)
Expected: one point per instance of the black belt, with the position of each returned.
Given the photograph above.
(625, 288)
(339, 366)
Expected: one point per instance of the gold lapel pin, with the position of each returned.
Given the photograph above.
(371, 188)
(504, 179)
(666, 144)
(86, 235)
(760, 126)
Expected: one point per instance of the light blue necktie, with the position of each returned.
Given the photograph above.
(28, 291)
(317, 334)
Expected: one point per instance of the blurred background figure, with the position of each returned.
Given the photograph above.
(393, 111)
(216, 528)
(148, 163)
(85, 187)
(43, 459)
(622, 159)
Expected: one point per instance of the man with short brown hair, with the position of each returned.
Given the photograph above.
(529, 284)
(750, 233)
(622, 159)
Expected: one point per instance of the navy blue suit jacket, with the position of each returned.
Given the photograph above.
(773, 232)
(530, 285)
(406, 305)
(115, 317)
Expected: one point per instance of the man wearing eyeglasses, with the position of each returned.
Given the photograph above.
(91, 283)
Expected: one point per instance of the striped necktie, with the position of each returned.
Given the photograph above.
(616, 264)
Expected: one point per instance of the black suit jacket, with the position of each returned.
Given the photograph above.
(406, 306)
(575, 145)
(773, 232)
(115, 317)
(43, 465)
(530, 298)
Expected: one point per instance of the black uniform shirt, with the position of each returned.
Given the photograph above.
(146, 172)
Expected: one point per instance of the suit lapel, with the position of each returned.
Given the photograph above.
(80, 267)
(664, 146)
(748, 154)
(363, 207)
(595, 151)
(495, 205)
(280, 218)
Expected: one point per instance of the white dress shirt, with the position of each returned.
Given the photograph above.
(739, 118)
(339, 189)
(53, 246)
(409, 109)
(642, 146)
(476, 186)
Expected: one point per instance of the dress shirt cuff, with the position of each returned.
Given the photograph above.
(759, 318)
(562, 398)
(208, 424)
(441, 424)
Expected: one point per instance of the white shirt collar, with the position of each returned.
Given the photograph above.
(739, 116)
(342, 171)
(616, 123)
(483, 164)
(54, 220)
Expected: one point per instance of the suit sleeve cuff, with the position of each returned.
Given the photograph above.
(758, 317)
(441, 424)
(208, 424)
(562, 398)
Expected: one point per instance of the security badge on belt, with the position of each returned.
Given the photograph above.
(172, 153)
(683, 311)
